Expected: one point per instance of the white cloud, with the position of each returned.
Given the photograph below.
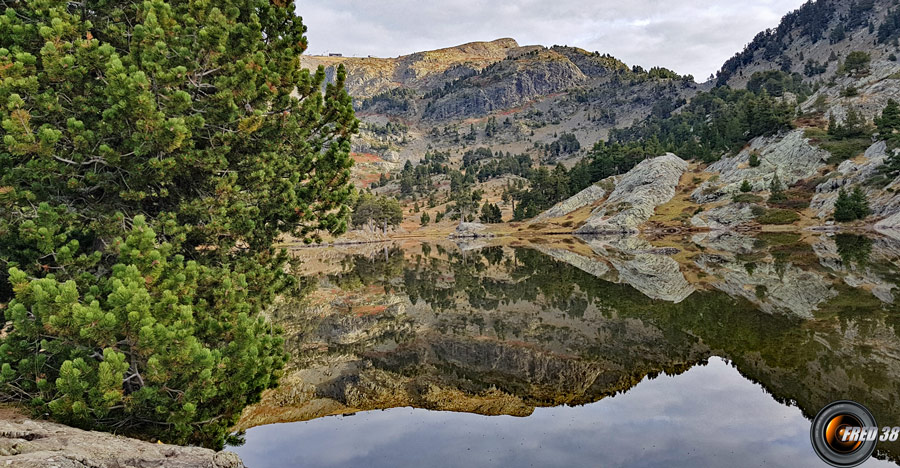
(689, 36)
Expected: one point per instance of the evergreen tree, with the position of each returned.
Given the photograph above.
(859, 203)
(843, 208)
(888, 123)
(490, 213)
(776, 190)
(425, 219)
(746, 187)
(754, 160)
(151, 154)
(889, 130)
(857, 63)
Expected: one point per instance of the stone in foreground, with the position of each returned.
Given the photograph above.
(25, 443)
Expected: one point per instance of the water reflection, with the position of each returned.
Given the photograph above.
(505, 328)
(708, 416)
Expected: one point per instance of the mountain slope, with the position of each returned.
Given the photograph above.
(443, 99)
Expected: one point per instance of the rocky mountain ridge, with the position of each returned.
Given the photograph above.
(541, 91)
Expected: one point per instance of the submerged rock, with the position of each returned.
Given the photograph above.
(636, 196)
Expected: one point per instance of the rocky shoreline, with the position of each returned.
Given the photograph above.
(28, 443)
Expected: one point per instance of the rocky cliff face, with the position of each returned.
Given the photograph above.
(367, 77)
(507, 84)
(538, 92)
(807, 35)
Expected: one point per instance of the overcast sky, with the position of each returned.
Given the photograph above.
(688, 36)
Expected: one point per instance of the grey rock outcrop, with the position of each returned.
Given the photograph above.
(723, 217)
(470, 230)
(791, 156)
(25, 443)
(884, 201)
(636, 196)
(849, 173)
(890, 223)
(588, 196)
(495, 91)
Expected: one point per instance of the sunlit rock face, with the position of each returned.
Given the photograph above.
(636, 196)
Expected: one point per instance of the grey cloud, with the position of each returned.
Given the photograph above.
(690, 36)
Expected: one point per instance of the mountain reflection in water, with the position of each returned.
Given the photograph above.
(545, 329)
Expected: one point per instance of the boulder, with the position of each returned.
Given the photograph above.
(723, 217)
(26, 443)
(471, 230)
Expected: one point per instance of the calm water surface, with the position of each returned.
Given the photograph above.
(704, 351)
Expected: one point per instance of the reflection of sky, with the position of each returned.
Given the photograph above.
(708, 416)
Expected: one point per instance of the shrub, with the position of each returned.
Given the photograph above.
(857, 63)
(747, 198)
(132, 346)
(778, 216)
(754, 160)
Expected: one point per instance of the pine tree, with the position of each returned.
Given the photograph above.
(490, 213)
(776, 190)
(746, 187)
(425, 219)
(151, 154)
(754, 160)
(889, 124)
(843, 208)
(859, 203)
